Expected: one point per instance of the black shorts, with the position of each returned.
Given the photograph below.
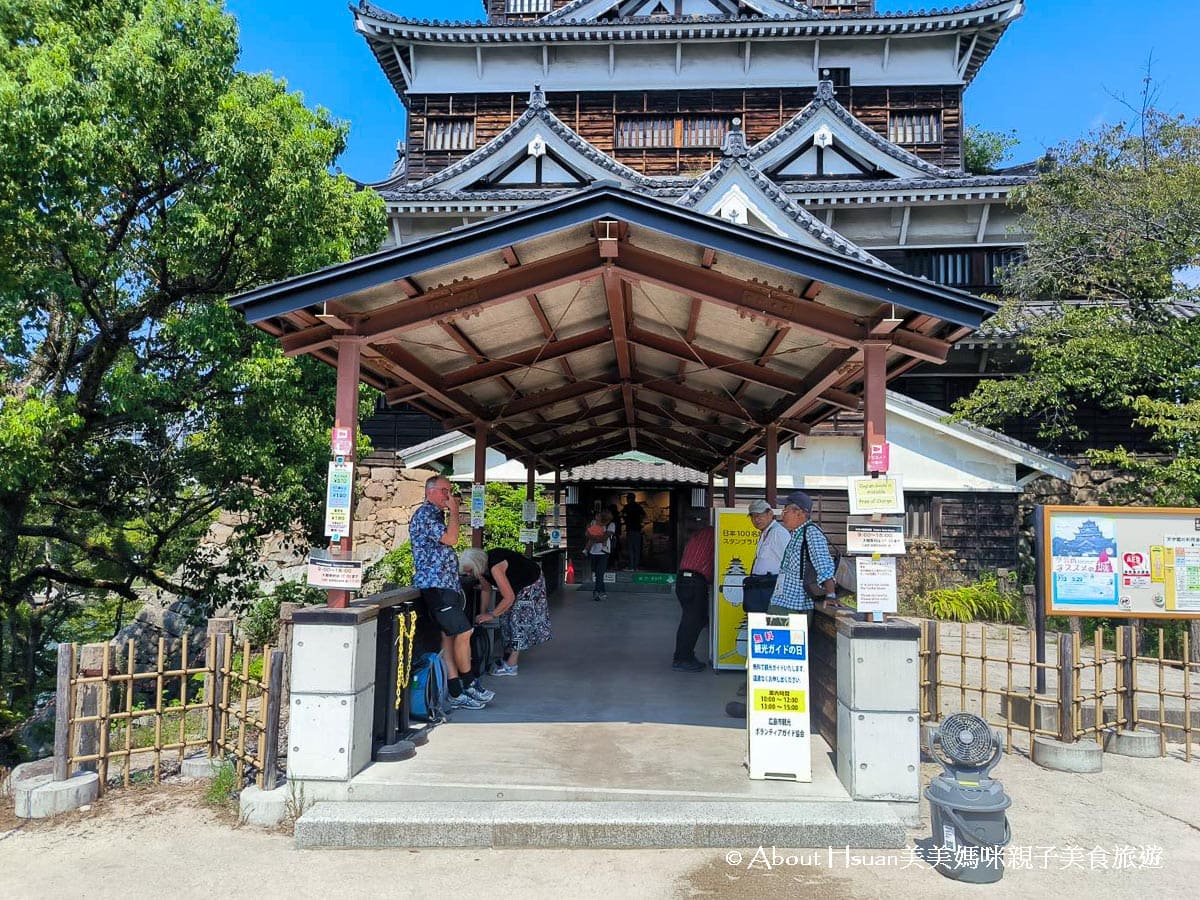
(446, 607)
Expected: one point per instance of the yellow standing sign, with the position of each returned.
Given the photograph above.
(736, 540)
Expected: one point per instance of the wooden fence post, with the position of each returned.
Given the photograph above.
(62, 713)
(220, 631)
(215, 690)
(286, 627)
(1127, 697)
(91, 700)
(1066, 688)
(266, 771)
(929, 633)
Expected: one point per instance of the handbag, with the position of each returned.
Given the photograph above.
(757, 591)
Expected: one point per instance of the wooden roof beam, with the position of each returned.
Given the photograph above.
(700, 399)
(550, 398)
(687, 421)
(776, 306)
(459, 298)
(552, 350)
(690, 352)
(567, 421)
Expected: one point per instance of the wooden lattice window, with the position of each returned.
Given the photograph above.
(450, 133)
(917, 126)
(640, 132)
(520, 7)
(996, 261)
(949, 267)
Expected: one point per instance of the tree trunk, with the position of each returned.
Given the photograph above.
(1194, 640)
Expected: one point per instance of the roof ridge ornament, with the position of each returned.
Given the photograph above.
(537, 98)
(825, 91)
(735, 140)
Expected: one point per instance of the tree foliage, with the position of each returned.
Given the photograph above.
(1103, 304)
(984, 151)
(143, 180)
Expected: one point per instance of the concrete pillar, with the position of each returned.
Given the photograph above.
(878, 710)
(332, 695)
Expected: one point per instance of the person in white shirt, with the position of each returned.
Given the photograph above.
(772, 539)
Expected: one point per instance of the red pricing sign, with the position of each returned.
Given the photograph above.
(877, 457)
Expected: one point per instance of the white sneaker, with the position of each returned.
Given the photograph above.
(466, 701)
(503, 668)
(480, 693)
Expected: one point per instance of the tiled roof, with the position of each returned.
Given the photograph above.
(537, 110)
(797, 10)
(623, 469)
(825, 100)
(1017, 319)
(548, 26)
(736, 158)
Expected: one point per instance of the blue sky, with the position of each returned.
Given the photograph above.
(1052, 77)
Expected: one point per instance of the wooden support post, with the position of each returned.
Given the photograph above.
(772, 462)
(1066, 688)
(268, 777)
(710, 492)
(349, 359)
(481, 433)
(874, 397)
(62, 712)
(731, 483)
(530, 494)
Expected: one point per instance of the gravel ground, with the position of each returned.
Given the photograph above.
(1131, 831)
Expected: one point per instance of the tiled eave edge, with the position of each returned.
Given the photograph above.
(468, 33)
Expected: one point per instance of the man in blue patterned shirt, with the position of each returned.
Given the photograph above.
(433, 537)
(808, 546)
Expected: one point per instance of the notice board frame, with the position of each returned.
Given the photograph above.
(1136, 526)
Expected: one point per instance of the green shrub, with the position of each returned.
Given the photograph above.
(923, 569)
(982, 600)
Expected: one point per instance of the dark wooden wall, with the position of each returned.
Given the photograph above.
(594, 116)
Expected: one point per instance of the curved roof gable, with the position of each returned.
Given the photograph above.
(591, 10)
(510, 160)
(736, 191)
(783, 153)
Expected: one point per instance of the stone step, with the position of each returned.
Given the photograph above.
(600, 825)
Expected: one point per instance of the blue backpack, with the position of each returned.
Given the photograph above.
(429, 688)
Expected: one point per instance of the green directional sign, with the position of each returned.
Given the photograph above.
(653, 578)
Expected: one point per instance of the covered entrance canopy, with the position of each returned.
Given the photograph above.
(607, 321)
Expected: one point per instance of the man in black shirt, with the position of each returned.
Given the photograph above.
(634, 516)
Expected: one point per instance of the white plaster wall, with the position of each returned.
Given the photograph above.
(926, 460)
(639, 65)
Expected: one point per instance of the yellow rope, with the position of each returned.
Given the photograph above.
(406, 631)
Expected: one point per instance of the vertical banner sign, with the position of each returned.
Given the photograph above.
(878, 457)
(477, 495)
(337, 498)
(777, 717)
(736, 541)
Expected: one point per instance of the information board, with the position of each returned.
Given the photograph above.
(338, 490)
(1117, 561)
(777, 698)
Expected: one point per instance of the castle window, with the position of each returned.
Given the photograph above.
(949, 267)
(917, 126)
(450, 133)
(667, 132)
(525, 7)
(840, 76)
(996, 261)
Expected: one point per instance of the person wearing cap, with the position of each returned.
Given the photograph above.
(807, 546)
(772, 541)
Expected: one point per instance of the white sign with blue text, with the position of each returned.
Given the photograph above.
(777, 697)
